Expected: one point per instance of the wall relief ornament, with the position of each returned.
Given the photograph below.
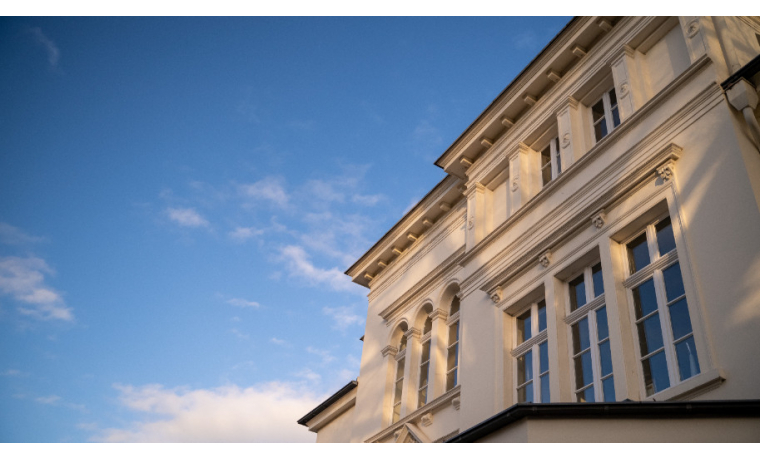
(599, 219)
(545, 259)
(565, 140)
(427, 419)
(515, 184)
(692, 29)
(667, 170)
(497, 295)
(624, 89)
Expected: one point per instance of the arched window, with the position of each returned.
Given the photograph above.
(452, 360)
(398, 386)
(422, 391)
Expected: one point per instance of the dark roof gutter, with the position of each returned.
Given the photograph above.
(328, 402)
(622, 409)
(749, 70)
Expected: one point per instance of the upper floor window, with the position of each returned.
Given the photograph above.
(592, 359)
(666, 339)
(551, 162)
(398, 385)
(452, 359)
(533, 362)
(422, 391)
(605, 115)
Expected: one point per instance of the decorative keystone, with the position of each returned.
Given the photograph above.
(667, 170)
(456, 402)
(599, 219)
(507, 122)
(497, 295)
(389, 350)
(545, 259)
(427, 419)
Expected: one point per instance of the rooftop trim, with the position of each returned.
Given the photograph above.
(328, 402)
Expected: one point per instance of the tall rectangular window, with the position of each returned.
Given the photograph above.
(533, 363)
(605, 115)
(397, 390)
(422, 392)
(592, 360)
(551, 162)
(663, 325)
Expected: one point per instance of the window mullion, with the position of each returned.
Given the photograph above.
(608, 112)
(667, 333)
(596, 367)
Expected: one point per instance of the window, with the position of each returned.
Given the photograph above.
(533, 355)
(605, 115)
(398, 388)
(551, 162)
(452, 360)
(592, 360)
(422, 392)
(666, 340)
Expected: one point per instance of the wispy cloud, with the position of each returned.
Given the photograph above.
(525, 40)
(262, 413)
(309, 375)
(367, 200)
(277, 341)
(268, 189)
(11, 373)
(239, 334)
(53, 52)
(299, 266)
(343, 317)
(14, 235)
(186, 217)
(242, 234)
(24, 280)
(243, 303)
(52, 399)
(326, 356)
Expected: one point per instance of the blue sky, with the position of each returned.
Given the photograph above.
(179, 199)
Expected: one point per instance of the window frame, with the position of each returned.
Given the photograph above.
(532, 345)
(654, 270)
(453, 319)
(398, 396)
(608, 109)
(426, 340)
(555, 161)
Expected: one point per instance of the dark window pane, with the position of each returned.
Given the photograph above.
(525, 368)
(598, 110)
(451, 380)
(400, 369)
(679, 319)
(580, 372)
(546, 165)
(596, 275)
(673, 282)
(650, 335)
(588, 370)
(638, 253)
(557, 156)
(402, 343)
(588, 394)
(545, 393)
(665, 240)
(601, 324)
(428, 326)
(523, 327)
(605, 358)
(425, 352)
(577, 293)
(422, 397)
(454, 333)
(525, 394)
(688, 364)
(543, 357)
(424, 375)
(615, 117)
(580, 336)
(644, 299)
(541, 316)
(613, 97)
(608, 385)
(600, 129)
(454, 306)
(656, 373)
(452, 358)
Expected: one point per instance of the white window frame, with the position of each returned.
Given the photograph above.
(454, 319)
(398, 397)
(425, 341)
(538, 337)
(589, 311)
(658, 263)
(608, 111)
(555, 161)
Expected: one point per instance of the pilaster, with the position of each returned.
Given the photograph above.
(523, 166)
(476, 214)
(629, 88)
(572, 140)
(438, 337)
(411, 371)
(701, 37)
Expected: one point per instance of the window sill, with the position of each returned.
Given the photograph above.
(690, 387)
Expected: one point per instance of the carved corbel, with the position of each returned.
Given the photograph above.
(438, 313)
(667, 170)
(389, 350)
(497, 295)
(427, 419)
(545, 259)
(456, 402)
(599, 219)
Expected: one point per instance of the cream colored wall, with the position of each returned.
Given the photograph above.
(339, 429)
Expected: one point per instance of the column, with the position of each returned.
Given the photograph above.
(389, 358)
(523, 176)
(572, 138)
(411, 371)
(476, 214)
(629, 87)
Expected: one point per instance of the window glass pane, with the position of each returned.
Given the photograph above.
(586, 395)
(541, 316)
(525, 394)
(546, 165)
(605, 358)
(598, 111)
(424, 375)
(615, 117)
(588, 371)
(608, 385)
(454, 306)
(523, 327)
(528, 360)
(425, 352)
(613, 97)
(578, 364)
(402, 343)
(601, 324)
(580, 336)
(679, 319)
(598, 281)
(665, 240)
(688, 364)
(422, 397)
(656, 373)
(400, 369)
(650, 335)
(543, 357)
(577, 293)
(545, 394)
(452, 360)
(600, 130)
(673, 282)
(557, 156)
(428, 326)
(454, 333)
(451, 380)
(638, 253)
(645, 299)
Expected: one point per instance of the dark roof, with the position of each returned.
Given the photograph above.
(328, 402)
(621, 409)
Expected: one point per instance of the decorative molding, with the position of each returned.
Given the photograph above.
(667, 170)
(438, 313)
(382, 263)
(368, 276)
(599, 219)
(530, 99)
(497, 295)
(445, 207)
(456, 402)
(397, 434)
(566, 140)
(427, 419)
(545, 259)
(389, 350)
(486, 142)
(604, 24)
(583, 311)
(471, 223)
(623, 90)
(579, 51)
(412, 237)
(466, 162)
(427, 222)
(528, 344)
(646, 272)
(553, 75)
(693, 28)
(413, 333)
(398, 251)
(507, 122)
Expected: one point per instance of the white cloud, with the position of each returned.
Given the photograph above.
(24, 280)
(52, 399)
(367, 200)
(241, 234)
(298, 265)
(239, 334)
(53, 52)
(11, 373)
(326, 356)
(324, 190)
(13, 235)
(309, 375)
(242, 303)
(186, 217)
(262, 413)
(343, 317)
(277, 341)
(267, 189)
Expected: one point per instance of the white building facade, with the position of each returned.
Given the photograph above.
(589, 268)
